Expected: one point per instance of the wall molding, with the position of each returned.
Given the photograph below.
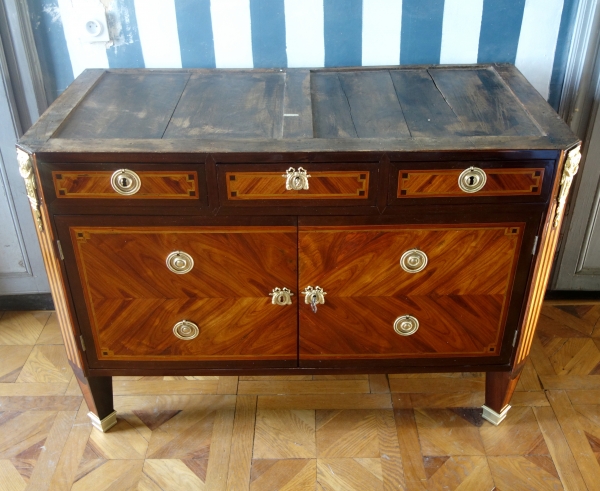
(36, 301)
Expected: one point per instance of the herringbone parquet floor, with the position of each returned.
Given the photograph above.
(402, 432)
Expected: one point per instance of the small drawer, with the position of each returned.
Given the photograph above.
(126, 184)
(445, 183)
(481, 181)
(247, 185)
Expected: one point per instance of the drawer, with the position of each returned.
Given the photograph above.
(119, 184)
(329, 184)
(471, 181)
(137, 283)
(126, 184)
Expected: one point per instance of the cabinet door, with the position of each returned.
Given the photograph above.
(456, 286)
(129, 301)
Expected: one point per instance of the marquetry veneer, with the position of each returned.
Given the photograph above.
(298, 221)
(154, 185)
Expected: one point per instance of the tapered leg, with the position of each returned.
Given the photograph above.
(98, 395)
(499, 388)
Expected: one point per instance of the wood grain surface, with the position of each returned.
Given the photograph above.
(426, 111)
(483, 102)
(541, 273)
(460, 299)
(134, 300)
(118, 108)
(363, 104)
(154, 185)
(364, 261)
(363, 327)
(444, 183)
(358, 104)
(230, 104)
(322, 185)
(415, 108)
(59, 288)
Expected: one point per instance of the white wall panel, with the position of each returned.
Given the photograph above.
(460, 31)
(381, 32)
(537, 42)
(232, 33)
(157, 25)
(304, 32)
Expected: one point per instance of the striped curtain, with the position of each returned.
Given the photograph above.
(532, 34)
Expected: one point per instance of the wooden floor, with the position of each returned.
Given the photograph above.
(413, 432)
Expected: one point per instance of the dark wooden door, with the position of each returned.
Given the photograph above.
(130, 300)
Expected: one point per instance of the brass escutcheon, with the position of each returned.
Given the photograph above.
(314, 296)
(281, 296)
(406, 325)
(472, 179)
(125, 182)
(180, 262)
(186, 330)
(296, 180)
(413, 261)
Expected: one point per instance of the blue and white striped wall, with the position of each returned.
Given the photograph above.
(533, 34)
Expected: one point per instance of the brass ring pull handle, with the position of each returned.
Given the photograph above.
(472, 179)
(314, 296)
(125, 182)
(406, 325)
(413, 261)
(281, 296)
(296, 180)
(180, 262)
(186, 330)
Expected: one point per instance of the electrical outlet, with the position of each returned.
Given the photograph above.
(92, 24)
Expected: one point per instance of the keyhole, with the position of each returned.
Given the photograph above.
(471, 180)
(124, 182)
(313, 303)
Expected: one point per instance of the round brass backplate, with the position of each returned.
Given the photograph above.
(125, 182)
(472, 179)
(406, 325)
(413, 261)
(186, 330)
(180, 262)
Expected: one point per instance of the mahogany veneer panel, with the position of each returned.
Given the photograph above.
(444, 183)
(322, 185)
(359, 261)
(461, 298)
(230, 329)
(134, 300)
(154, 185)
(363, 327)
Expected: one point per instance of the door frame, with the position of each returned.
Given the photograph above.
(22, 100)
(579, 108)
